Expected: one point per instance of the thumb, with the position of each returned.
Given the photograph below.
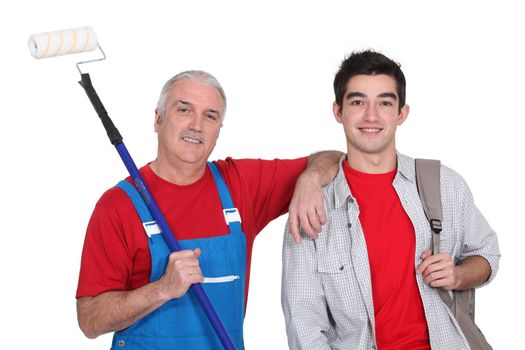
(196, 252)
(425, 254)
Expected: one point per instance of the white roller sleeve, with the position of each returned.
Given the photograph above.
(63, 42)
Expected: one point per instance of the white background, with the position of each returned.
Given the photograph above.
(276, 60)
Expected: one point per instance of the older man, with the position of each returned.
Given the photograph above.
(129, 282)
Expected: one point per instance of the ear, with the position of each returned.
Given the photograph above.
(403, 114)
(338, 114)
(158, 119)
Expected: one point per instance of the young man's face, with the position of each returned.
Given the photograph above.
(188, 130)
(370, 114)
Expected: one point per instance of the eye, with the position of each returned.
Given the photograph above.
(183, 110)
(356, 103)
(212, 117)
(386, 103)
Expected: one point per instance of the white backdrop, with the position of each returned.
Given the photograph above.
(276, 61)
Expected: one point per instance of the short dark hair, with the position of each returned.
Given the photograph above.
(368, 62)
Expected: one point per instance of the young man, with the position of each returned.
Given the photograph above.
(129, 282)
(370, 281)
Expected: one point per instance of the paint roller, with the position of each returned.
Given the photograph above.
(84, 39)
(63, 42)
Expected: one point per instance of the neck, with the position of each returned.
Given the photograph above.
(179, 174)
(372, 163)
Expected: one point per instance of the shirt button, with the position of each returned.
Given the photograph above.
(349, 224)
(121, 343)
(374, 347)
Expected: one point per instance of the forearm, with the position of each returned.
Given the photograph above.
(472, 272)
(116, 310)
(322, 166)
(306, 207)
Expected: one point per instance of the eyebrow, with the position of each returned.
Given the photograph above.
(388, 95)
(382, 95)
(187, 103)
(354, 94)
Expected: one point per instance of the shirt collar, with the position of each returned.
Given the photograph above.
(342, 193)
(406, 167)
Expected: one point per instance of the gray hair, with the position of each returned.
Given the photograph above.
(190, 74)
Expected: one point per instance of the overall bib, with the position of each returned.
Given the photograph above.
(181, 323)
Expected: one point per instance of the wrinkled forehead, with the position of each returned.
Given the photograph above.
(196, 92)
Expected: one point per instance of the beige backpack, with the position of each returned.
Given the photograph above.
(462, 302)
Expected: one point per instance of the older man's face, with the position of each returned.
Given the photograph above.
(189, 128)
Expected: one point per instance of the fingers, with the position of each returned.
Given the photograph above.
(439, 279)
(306, 209)
(189, 275)
(321, 214)
(437, 261)
(313, 222)
(306, 219)
(426, 259)
(293, 223)
(437, 270)
(310, 223)
(425, 254)
(182, 271)
(182, 254)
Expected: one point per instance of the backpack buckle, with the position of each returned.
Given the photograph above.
(435, 225)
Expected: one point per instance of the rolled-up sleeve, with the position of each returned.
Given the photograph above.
(302, 296)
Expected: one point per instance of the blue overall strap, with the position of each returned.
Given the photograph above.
(149, 224)
(231, 214)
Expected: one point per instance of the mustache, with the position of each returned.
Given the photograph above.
(194, 135)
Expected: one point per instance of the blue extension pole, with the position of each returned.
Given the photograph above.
(116, 140)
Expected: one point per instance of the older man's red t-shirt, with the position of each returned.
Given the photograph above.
(116, 255)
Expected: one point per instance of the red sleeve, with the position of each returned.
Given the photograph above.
(110, 247)
(263, 187)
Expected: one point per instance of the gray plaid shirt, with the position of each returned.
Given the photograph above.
(326, 287)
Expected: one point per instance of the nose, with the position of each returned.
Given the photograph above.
(196, 123)
(371, 113)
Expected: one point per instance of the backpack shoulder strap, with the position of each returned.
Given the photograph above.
(462, 303)
(428, 187)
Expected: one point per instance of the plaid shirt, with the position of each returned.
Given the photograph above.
(326, 286)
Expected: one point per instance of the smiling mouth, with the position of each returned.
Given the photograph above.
(371, 130)
(191, 140)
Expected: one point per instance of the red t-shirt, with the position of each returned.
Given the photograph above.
(390, 238)
(116, 254)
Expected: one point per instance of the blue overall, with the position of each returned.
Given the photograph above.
(181, 323)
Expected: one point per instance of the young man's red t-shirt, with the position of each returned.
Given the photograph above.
(116, 254)
(390, 238)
